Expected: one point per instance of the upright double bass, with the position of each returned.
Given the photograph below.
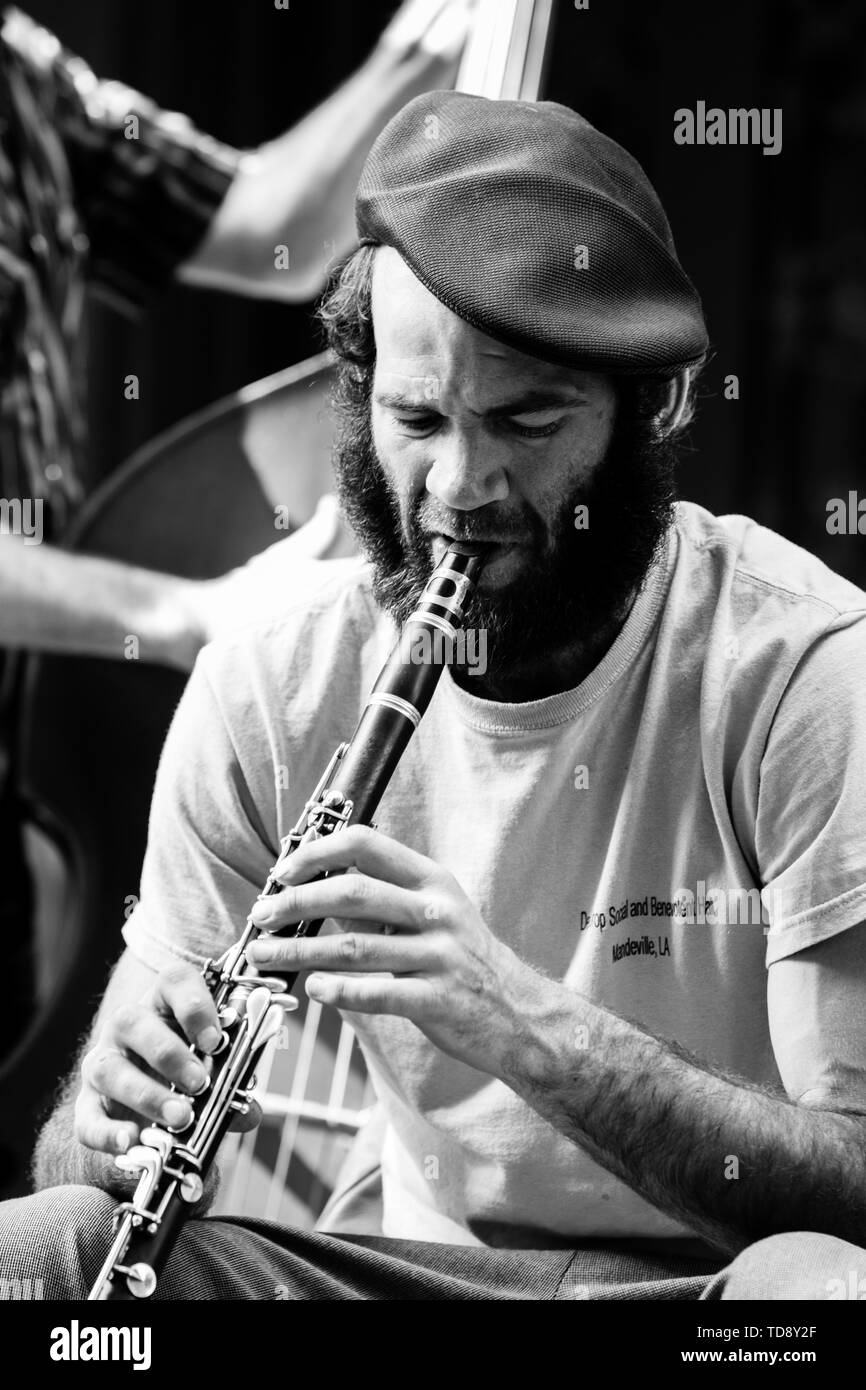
(196, 502)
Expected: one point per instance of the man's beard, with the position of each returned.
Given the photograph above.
(575, 585)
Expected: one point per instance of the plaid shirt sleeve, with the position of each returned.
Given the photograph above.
(97, 186)
(145, 183)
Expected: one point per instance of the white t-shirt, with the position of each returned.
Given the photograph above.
(617, 836)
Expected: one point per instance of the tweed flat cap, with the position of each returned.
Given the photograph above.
(528, 223)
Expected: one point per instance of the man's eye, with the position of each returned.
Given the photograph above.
(417, 424)
(426, 424)
(535, 431)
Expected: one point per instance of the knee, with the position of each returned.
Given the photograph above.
(798, 1265)
(53, 1243)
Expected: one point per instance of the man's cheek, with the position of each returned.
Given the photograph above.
(392, 449)
(377, 430)
(404, 470)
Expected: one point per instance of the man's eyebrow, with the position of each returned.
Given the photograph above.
(537, 398)
(397, 400)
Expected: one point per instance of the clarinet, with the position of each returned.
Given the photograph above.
(173, 1165)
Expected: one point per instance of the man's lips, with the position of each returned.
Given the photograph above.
(493, 542)
(503, 559)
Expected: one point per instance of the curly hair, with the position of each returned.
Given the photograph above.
(346, 318)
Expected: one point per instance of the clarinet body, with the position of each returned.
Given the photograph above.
(173, 1165)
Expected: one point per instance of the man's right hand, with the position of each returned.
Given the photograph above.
(141, 1051)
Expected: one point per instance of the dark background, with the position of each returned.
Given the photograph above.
(775, 244)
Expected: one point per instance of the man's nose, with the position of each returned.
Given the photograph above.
(466, 472)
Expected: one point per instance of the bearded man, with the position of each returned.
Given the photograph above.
(628, 1091)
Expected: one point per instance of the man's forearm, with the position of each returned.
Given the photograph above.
(60, 602)
(670, 1127)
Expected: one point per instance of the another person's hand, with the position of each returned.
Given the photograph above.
(438, 28)
(283, 574)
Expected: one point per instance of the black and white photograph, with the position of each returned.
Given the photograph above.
(433, 666)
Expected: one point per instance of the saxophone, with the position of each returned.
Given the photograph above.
(173, 1165)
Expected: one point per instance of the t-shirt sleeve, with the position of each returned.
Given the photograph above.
(212, 836)
(145, 183)
(811, 819)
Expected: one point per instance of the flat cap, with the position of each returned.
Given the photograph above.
(528, 223)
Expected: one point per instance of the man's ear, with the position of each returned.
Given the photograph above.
(668, 418)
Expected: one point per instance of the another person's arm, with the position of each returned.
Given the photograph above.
(298, 191)
(158, 198)
(61, 601)
(56, 601)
